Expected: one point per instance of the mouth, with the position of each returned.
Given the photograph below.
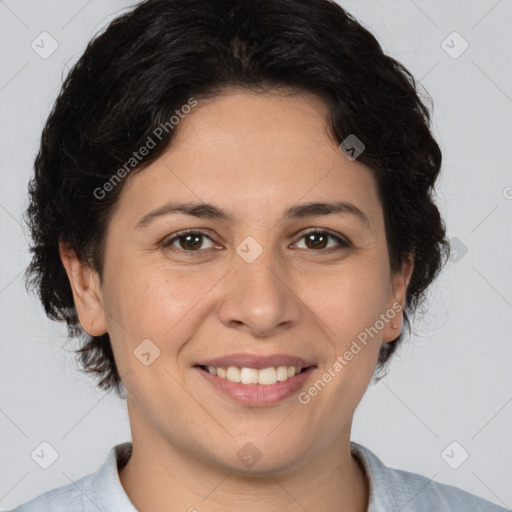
(253, 376)
(255, 380)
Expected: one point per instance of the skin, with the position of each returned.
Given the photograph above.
(252, 155)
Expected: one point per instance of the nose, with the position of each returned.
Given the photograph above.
(259, 298)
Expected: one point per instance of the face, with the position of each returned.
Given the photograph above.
(259, 280)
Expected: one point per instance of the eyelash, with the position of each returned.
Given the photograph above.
(343, 243)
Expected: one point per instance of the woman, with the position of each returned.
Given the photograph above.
(232, 207)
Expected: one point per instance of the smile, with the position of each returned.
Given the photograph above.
(252, 387)
(263, 376)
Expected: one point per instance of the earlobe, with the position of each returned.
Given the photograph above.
(87, 295)
(397, 301)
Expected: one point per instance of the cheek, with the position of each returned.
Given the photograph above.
(350, 299)
(154, 302)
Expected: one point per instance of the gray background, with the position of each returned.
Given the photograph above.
(451, 382)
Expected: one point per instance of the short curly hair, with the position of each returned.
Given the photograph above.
(148, 62)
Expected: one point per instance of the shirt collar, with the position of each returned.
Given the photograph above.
(112, 495)
(106, 482)
(382, 486)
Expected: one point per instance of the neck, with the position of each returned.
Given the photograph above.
(162, 477)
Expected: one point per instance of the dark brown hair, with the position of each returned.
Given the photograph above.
(150, 61)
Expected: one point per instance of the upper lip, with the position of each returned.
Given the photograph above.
(256, 361)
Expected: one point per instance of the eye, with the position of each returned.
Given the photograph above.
(188, 241)
(316, 240)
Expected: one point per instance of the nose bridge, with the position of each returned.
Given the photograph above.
(258, 298)
(259, 273)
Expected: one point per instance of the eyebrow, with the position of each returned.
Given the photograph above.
(210, 211)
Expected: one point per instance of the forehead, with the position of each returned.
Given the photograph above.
(241, 119)
(245, 151)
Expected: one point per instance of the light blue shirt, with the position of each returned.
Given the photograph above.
(391, 490)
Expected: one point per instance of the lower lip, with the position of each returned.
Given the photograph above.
(258, 394)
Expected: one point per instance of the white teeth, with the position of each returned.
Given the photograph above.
(282, 373)
(265, 376)
(233, 374)
(249, 376)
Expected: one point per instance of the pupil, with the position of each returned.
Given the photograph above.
(192, 245)
(315, 244)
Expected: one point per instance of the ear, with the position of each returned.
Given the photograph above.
(396, 301)
(85, 285)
